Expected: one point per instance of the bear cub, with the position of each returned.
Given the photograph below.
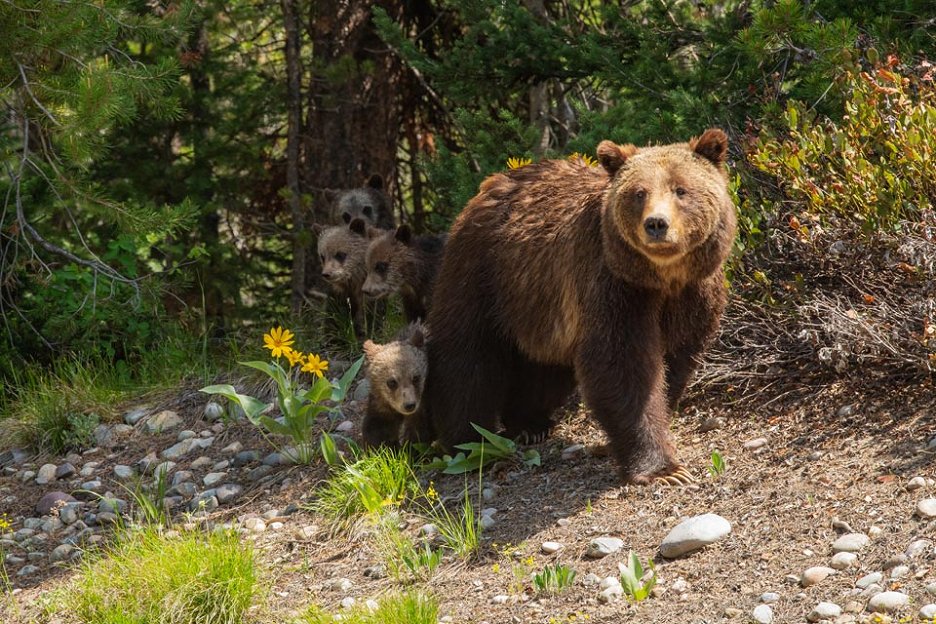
(368, 202)
(398, 262)
(397, 373)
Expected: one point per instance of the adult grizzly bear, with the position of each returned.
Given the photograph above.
(557, 273)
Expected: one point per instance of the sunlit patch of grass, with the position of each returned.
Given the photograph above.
(149, 577)
(406, 608)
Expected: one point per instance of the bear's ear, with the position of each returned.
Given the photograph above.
(375, 182)
(358, 226)
(318, 228)
(404, 234)
(418, 339)
(613, 156)
(712, 145)
(371, 349)
(331, 194)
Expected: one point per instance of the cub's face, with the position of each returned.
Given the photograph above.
(397, 374)
(341, 252)
(365, 203)
(666, 201)
(383, 271)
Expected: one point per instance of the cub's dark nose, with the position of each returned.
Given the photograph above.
(326, 274)
(409, 407)
(656, 227)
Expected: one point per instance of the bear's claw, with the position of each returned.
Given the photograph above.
(679, 476)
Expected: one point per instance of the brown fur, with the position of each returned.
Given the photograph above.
(398, 262)
(397, 375)
(368, 202)
(342, 250)
(551, 277)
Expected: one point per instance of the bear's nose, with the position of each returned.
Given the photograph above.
(326, 274)
(656, 227)
(409, 407)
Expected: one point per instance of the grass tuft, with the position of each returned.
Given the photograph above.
(152, 578)
(406, 608)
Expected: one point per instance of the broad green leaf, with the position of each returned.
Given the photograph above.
(317, 393)
(252, 407)
(273, 370)
(274, 426)
(329, 450)
(502, 443)
(340, 391)
(531, 457)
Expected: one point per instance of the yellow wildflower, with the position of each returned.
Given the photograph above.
(294, 357)
(495, 568)
(279, 341)
(431, 493)
(516, 163)
(315, 365)
(585, 158)
(4, 523)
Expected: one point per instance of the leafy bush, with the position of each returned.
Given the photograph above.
(875, 165)
(406, 608)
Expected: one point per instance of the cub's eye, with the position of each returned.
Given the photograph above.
(416, 380)
(640, 195)
(680, 191)
(322, 256)
(392, 384)
(341, 256)
(368, 211)
(381, 267)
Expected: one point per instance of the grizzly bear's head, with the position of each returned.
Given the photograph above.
(384, 260)
(342, 249)
(367, 202)
(397, 370)
(670, 204)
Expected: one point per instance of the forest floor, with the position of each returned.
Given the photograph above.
(838, 458)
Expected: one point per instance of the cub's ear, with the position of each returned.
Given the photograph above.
(613, 156)
(404, 234)
(318, 228)
(331, 194)
(712, 145)
(418, 338)
(375, 182)
(358, 226)
(371, 349)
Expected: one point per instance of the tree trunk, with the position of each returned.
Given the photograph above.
(294, 121)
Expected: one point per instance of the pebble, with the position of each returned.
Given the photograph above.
(487, 493)
(824, 611)
(731, 612)
(180, 449)
(486, 522)
(62, 552)
(213, 478)
(166, 419)
(228, 492)
(201, 462)
(931, 589)
(888, 602)
(694, 533)
(603, 546)
(65, 470)
(918, 548)
(711, 423)
(164, 468)
(68, 514)
(233, 448)
(428, 530)
(52, 500)
(106, 517)
(257, 525)
(928, 612)
(185, 434)
(213, 411)
(869, 579)
(245, 457)
(276, 526)
(769, 597)
(570, 452)
(88, 469)
(259, 472)
(500, 599)
(899, 571)
(183, 476)
(916, 483)
(27, 570)
(550, 548)
(136, 414)
(851, 542)
(123, 472)
(610, 594)
(844, 561)
(378, 571)
(345, 426)
(221, 466)
(815, 575)
(762, 614)
(756, 443)
(45, 474)
(186, 489)
(347, 603)
(926, 508)
(276, 459)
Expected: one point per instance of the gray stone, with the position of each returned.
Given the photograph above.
(572, 451)
(104, 436)
(362, 391)
(756, 443)
(88, 469)
(926, 508)
(888, 602)
(604, 546)
(106, 518)
(161, 471)
(51, 501)
(147, 463)
(259, 472)
(213, 411)
(277, 459)
(378, 571)
(46, 474)
(205, 502)
(202, 462)
(27, 475)
(551, 548)
(245, 457)
(711, 423)
(183, 448)
(824, 611)
(428, 530)
(844, 561)
(257, 525)
(113, 505)
(62, 552)
(64, 471)
(23, 534)
(136, 415)
(762, 614)
(814, 575)
(221, 466)
(916, 483)
(611, 594)
(228, 492)
(233, 448)
(769, 597)
(51, 525)
(213, 478)
(32, 523)
(694, 533)
(68, 514)
(851, 542)
(89, 490)
(183, 476)
(869, 579)
(123, 472)
(486, 522)
(27, 570)
(918, 548)
(928, 612)
(186, 434)
(163, 421)
(186, 489)
(931, 589)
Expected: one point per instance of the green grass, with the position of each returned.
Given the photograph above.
(148, 578)
(406, 560)
(406, 608)
(378, 479)
(553, 579)
(461, 529)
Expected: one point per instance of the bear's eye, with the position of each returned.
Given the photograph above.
(341, 256)
(381, 267)
(415, 380)
(680, 191)
(392, 384)
(640, 195)
(322, 256)
(368, 211)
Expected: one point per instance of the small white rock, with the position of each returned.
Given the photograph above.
(604, 546)
(571, 451)
(550, 548)
(928, 612)
(347, 603)
(899, 571)
(888, 602)
(916, 483)
(868, 580)
(815, 575)
(824, 611)
(46, 474)
(762, 614)
(926, 508)
(694, 533)
(257, 525)
(610, 594)
(500, 599)
(851, 542)
(756, 443)
(486, 522)
(769, 597)
(844, 561)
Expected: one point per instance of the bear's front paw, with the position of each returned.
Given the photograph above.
(674, 475)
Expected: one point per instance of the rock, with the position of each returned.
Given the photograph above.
(61, 553)
(874, 532)
(919, 548)
(769, 597)
(202, 462)
(213, 411)
(186, 489)
(233, 448)
(428, 530)
(869, 579)
(245, 457)
(732, 612)
(106, 518)
(900, 571)
(136, 415)
(603, 546)
(104, 436)
(259, 472)
(345, 426)
(926, 508)
(572, 451)
(378, 571)
(362, 391)
(500, 599)
(486, 522)
(841, 526)
(88, 469)
(928, 612)
(550, 548)
(815, 575)
(257, 525)
(161, 471)
(163, 421)
(756, 443)
(64, 471)
(206, 501)
(228, 492)
(612, 593)
(183, 476)
(113, 505)
(27, 570)
(888, 602)
(916, 483)
(277, 459)
(185, 434)
(68, 514)
(276, 526)
(123, 472)
(180, 449)
(694, 533)
(52, 501)
(89, 490)
(213, 478)
(46, 474)
(851, 542)
(931, 589)
(711, 423)
(762, 614)
(347, 603)
(824, 611)
(844, 561)
(221, 466)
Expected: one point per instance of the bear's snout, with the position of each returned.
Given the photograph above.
(656, 227)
